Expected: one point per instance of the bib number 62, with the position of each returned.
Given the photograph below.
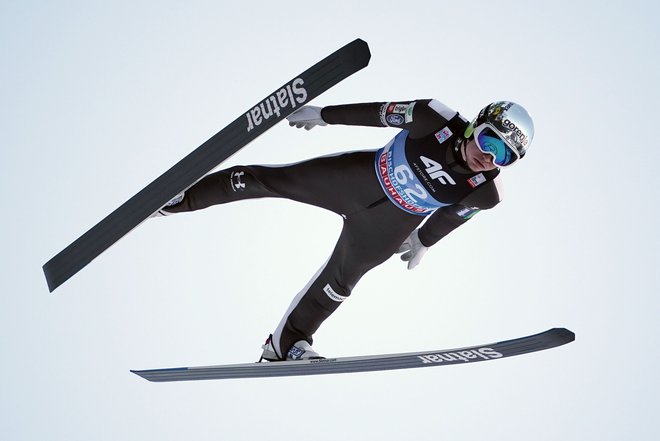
(402, 174)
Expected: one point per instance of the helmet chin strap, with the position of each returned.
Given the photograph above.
(459, 152)
(467, 135)
(461, 144)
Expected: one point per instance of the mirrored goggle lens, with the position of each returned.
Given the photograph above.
(489, 142)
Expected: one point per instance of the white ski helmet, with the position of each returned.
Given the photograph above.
(504, 129)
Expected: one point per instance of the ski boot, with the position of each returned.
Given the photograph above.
(175, 200)
(301, 350)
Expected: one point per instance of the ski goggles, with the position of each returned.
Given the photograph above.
(490, 141)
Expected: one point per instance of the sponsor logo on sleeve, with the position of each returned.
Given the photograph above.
(382, 112)
(397, 114)
(395, 119)
(467, 212)
(409, 113)
(400, 108)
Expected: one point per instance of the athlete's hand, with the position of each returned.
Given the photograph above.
(307, 117)
(412, 250)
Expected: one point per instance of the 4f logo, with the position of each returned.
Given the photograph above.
(236, 183)
(435, 171)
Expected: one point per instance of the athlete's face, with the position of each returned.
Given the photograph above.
(476, 159)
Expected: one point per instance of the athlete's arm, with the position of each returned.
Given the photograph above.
(446, 219)
(419, 117)
(443, 221)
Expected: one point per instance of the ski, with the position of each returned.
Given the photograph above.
(545, 340)
(247, 127)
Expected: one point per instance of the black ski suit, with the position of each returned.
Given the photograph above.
(391, 191)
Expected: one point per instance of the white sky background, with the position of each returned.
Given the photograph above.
(96, 101)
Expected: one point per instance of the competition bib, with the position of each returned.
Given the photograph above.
(399, 182)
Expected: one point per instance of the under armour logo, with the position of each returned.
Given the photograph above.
(236, 180)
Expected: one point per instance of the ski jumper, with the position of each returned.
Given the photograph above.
(383, 196)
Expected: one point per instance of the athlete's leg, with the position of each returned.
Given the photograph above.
(343, 183)
(368, 238)
(346, 184)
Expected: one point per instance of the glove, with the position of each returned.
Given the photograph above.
(412, 250)
(307, 117)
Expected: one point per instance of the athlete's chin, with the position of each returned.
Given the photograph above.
(476, 166)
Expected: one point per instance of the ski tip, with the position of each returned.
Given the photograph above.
(565, 334)
(361, 53)
(364, 46)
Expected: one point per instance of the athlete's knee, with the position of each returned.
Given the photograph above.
(210, 190)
